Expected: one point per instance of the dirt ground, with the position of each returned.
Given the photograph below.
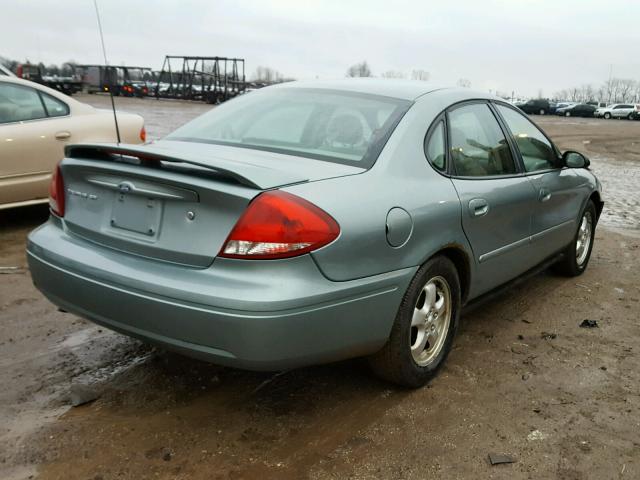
(523, 379)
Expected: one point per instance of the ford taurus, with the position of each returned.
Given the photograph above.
(315, 221)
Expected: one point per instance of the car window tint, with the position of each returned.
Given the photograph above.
(18, 103)
(478, 146)
(435, 148)
(537, 152)
(55, 107)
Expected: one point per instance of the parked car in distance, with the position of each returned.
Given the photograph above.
(577, 110)
(311, 222)
(538, 106)
(560, 105)
(36, 123)
(616, 110)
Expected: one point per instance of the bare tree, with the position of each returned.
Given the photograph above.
(636, 92)
(588, 94)
(625, 89)
(611, 89)
(267, 75)
(464, 83)
(574, 94)
(422, 75)
(359, 70)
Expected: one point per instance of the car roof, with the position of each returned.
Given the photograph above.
(401, 89)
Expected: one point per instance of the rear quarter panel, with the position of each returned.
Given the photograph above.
(100, 127)
(401, 177)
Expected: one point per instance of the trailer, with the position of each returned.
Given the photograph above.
(209, 79)
(125, 80)
(67, 85)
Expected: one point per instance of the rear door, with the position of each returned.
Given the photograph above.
(30, 148)
(559, 190)
(622, 110)
(497, 200)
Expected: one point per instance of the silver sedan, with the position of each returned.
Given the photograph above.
(315, 221)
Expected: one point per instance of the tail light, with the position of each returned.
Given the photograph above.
(279, 225)
(143, 134)
(56, 192)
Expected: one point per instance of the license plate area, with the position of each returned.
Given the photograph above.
(137, 213)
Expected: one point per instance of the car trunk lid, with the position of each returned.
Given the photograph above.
(172, 205)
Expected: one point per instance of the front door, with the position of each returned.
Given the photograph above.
(557, 189)
(497, 200)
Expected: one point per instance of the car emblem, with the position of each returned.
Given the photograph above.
(125, 187)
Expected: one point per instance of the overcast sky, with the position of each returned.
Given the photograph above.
(497, 44)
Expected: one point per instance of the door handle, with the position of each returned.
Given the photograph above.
(544, 195)
(62, 135)
(478, 207)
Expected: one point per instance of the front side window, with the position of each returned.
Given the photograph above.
(18, 103)
(436, 153)
(537, 152)
(55, 107)
(478, 146)
(335, 126)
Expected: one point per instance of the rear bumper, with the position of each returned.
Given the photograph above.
(259, 315)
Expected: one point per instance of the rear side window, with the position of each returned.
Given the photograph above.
(55, 107)
(435, 149)
(537, 152)
(478, 146)
(18, 103)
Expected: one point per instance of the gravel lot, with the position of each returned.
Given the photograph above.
(523, 378)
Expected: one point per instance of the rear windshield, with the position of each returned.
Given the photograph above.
(342, 127)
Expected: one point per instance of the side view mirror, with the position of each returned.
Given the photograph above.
(575, 159)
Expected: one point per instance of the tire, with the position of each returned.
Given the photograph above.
(607, 115)
(542, 111)
(576, 255)
(630, 116)
(567, 114)
(396, 362)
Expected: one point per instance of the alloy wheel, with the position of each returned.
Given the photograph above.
(430, 321)
(583, 242)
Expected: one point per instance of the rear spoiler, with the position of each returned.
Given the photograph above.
(249, 174)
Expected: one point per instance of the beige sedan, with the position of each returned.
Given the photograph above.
(36, 123)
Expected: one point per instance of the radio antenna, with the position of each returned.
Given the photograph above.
(106, 69)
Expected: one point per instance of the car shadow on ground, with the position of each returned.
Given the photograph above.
(24, 217)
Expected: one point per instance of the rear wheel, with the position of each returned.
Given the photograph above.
(577, 255)
(567, 114)
(630, 116)
(542, 111)
(423, 331)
